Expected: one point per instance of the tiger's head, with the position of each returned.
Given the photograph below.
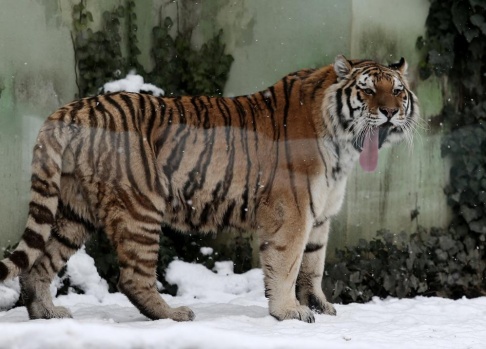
(371, 105)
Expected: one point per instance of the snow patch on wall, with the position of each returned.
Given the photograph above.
(132, 83)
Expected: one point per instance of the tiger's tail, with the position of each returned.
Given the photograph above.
(45, 192)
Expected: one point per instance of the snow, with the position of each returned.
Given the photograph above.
(132, 83)
(82, 273)
(232, 312)
(9, 293)
(206, 251)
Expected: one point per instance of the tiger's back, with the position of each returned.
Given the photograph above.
(274, 162)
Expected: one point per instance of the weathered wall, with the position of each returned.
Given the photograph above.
(268, 39)
(37, 76)
(407, 178)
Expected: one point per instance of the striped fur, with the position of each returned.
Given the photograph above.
(274, 162)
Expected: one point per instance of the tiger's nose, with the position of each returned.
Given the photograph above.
(388, 112)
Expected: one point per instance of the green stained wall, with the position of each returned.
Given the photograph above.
(271, 38)
(35, 64)
(37, 76)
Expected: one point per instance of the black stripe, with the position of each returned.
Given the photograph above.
(34, 239)
(318, 86)
(43, 187)
(274, 97)
(159, 143)
(64, 240)
(197, 176)
(149, 181)
(244, 140)
(40, 213)
(144, 201)
(336, 169)
(228, 177)
(339, 109)
(175, 158)
(228, 214)
(119, 172)
(290, 166)
(197, 112)
(20, 259)
(347, 92)
(225, 114)
(131, 210)
(312, 247)
(180, 114)
(276, 141)
(161, 110)
(311, 201)
(75, 107)
(3, 271)
(68, 213)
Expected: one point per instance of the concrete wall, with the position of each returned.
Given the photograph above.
(37, 76)
(268, 39)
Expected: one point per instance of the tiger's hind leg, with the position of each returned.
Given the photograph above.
(309, 281)
(135, 236)
(68, 235)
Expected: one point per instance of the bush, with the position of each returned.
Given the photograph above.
(440, 262)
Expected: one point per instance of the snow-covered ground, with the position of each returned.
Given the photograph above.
(231, 312)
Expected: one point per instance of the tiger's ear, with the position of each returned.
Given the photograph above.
(401, 66)
(342, 66)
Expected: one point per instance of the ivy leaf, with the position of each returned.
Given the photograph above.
(460, 15)
(470, 34)
(480, 3)
(478, 226)
(478, 21)
(168, 23)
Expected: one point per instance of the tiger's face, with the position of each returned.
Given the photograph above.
(373, 106)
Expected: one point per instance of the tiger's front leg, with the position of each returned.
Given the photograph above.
(309, 281)
(282, 245)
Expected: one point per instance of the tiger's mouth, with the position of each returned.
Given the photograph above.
(383, 132)
(369, 143)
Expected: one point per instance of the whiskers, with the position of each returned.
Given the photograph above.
(414, 126)
(363, 126)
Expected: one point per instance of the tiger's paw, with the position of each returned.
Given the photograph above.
(51, 313)
(182, 314)
(299, 312)
(320, 305)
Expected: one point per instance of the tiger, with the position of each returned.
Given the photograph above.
(274, 162)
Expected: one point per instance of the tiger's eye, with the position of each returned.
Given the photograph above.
(369, 91)
(396, 91)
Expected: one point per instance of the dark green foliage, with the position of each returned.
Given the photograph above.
(106, 261)
(439, 262)
(179, 68)
(455, 45)
(98, 54)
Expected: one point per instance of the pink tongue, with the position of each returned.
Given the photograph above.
(368, 158)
